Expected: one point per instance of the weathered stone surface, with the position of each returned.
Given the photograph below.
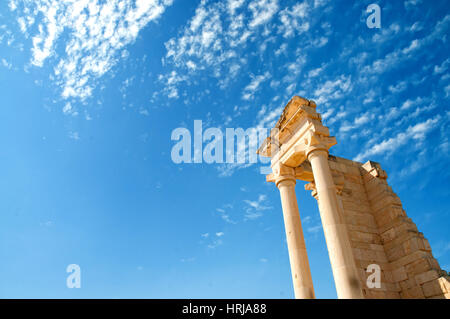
(432, 288)
(363, 218)
(399, 274)
(412, 293)
(426, 276)
(444, 282)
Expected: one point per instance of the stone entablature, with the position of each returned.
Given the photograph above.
(363, 219)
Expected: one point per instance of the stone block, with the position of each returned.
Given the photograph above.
(408, 259)
(392, 295)
(408, 284)
(384, 200)
(377, 247)
(395, 253)
(444, 282)
(367, 254)
(432, 288)
(411, 245)
(388, 275)
(381, 256)
(388, 235)
(362, 237)
(398, 241)
(426, 276)
(418, 266)
(377, 294)
(412, 293)
(352, 178)
(399, 274)
(357, 253)
(376, 191)
(426, 244)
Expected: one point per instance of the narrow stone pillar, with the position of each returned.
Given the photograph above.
(338, 242)
(301, 273)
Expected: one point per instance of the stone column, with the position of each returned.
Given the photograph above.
(338, 242)
(301, 273)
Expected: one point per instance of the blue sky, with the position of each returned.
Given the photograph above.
(92, 90)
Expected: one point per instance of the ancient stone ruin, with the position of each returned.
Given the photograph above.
(365, 226)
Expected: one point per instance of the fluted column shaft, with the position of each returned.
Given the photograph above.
(338, 242)
(301, 273)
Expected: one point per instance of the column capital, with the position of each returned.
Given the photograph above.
(312, 187)
(317, 144)
(281, 173)
(314, 141)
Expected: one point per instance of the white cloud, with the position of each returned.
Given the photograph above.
(315, 72)
(319, 42)
(411, 103)
(233, 5)
(332, 90)
(254, 85)
(417, 26)
(171, 81)
(262, 11)
(386, 33)
(97, 32)
(369, 97)
(399, 87)
(6, 64)
(395, 58)
(254, 208)
(314, 229)
(358, 121)
(216, 39)
(447, 90)
(293, 20)
(68, 110)
(225, 216)
(416, 132)
(409, 4)
(439, 69)
(74, 136)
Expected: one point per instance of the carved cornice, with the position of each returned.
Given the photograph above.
(374, 169)
(298, 132)
(295, 111)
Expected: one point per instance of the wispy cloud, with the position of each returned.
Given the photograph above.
(333, 89)
(254, 85)
(255, 208)
(416, 132)
(262, 11)
(294, 20)
(216, 241)
(97, 35)
(225, 215)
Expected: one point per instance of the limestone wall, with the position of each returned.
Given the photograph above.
(381, 233)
